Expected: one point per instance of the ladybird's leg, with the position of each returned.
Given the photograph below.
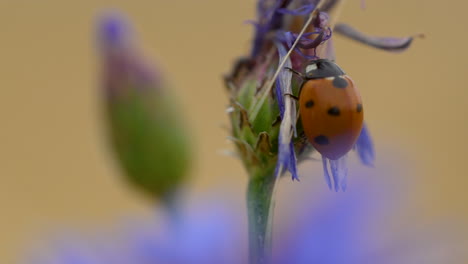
(278, 118)
(292, 96)
(295, 72)
(303, 78)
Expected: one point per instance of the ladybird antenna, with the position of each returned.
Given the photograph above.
(269, 85)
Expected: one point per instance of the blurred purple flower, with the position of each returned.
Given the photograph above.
(332, 229)
(208, 233)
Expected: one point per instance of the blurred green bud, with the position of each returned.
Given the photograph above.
(145, 129)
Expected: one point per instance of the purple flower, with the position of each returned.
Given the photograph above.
(349, 228)
(332, 229)
(289, 33)
(206, 233)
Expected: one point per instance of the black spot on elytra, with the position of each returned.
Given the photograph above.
(321, 140)
(309, 104)
(359, 108)
(339, 82)
(334, 111)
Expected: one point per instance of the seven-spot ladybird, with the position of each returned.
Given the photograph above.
(330, 108)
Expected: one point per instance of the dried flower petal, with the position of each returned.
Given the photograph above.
(339, 173)
(268, 19)
(384, 43)
(286, 154)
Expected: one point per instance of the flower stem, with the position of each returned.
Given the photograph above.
(172, 203)
(260, 213)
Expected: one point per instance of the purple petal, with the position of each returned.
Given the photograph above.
(292, 162)
(114, 31)
(287, 160)
(323, 35)
(384, 43)
(326, 173)
(268, 19)
(286, 155)
(339, 173)
(279, 97)
(123, 66)
(365, 147)
(322, 20)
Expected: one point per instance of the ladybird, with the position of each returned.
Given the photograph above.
(330, 108)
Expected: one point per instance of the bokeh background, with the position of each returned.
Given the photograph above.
(56, 170)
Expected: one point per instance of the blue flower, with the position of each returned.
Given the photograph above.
(350, 229)
(288, 33)
(332, 229)
(207, 233)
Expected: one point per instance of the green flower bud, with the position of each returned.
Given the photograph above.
(145, 129)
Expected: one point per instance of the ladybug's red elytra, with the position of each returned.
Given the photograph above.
(330, 108)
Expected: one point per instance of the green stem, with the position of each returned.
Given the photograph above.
(172, 203)
(260, 214)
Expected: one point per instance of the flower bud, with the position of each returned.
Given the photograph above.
(145, 129)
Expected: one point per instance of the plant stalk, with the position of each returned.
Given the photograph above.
(260, 214)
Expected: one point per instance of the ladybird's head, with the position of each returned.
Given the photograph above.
(322, 68)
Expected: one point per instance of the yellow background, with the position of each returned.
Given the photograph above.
(55, 166)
